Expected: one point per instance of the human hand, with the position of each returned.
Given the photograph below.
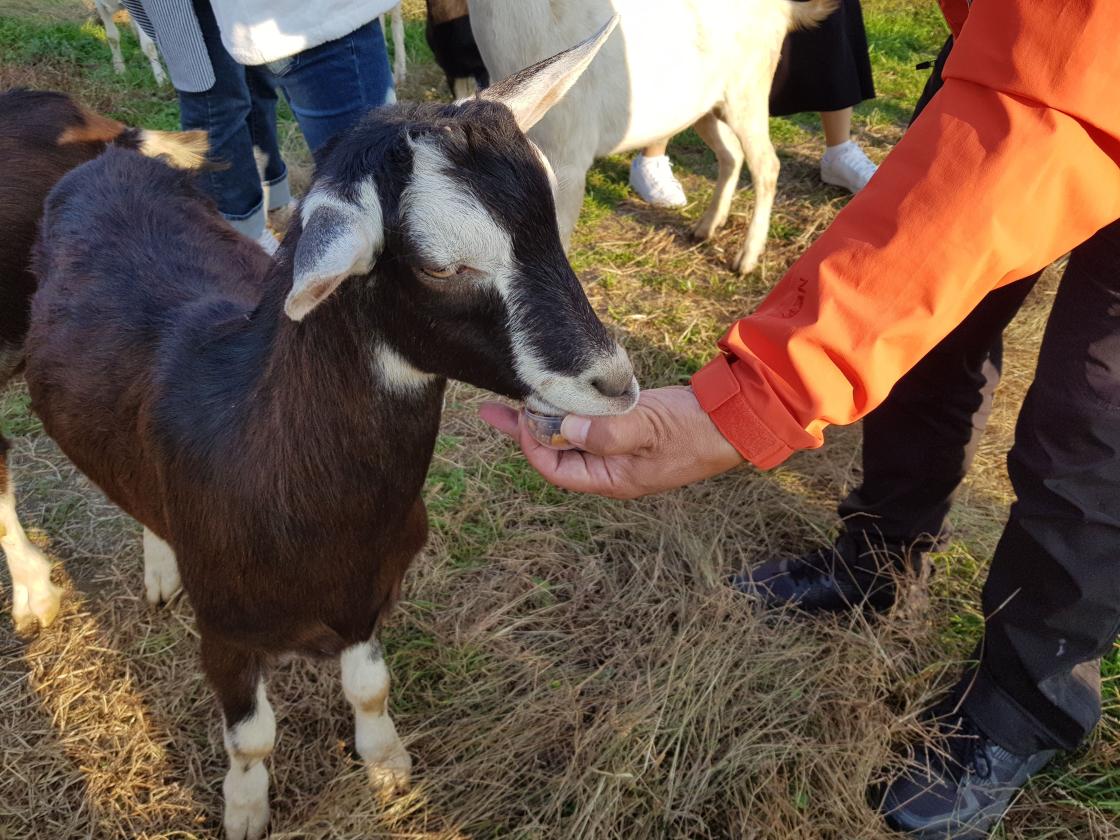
(667, 440)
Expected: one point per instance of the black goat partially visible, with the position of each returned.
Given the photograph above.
(43, 135)
(449, 35)
(271, 424)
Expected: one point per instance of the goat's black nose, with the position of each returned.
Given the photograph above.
(615, 385)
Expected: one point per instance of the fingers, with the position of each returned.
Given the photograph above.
(622, 434)
(501, 417)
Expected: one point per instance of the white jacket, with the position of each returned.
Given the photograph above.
(260, 31)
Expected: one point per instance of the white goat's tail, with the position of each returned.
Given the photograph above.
(180, 149)
(808, 14)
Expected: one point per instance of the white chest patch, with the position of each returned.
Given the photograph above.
(397, 372)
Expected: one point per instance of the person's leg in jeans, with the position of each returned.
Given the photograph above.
(330, 87)
(266, 140)
(1052, 598)
(223, 112)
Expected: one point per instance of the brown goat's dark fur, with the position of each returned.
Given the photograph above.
(42, 137)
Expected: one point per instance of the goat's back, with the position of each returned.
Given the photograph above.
(131, 258)
(666, 66)
(43, 135)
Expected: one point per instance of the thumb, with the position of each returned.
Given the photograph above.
(619, 434)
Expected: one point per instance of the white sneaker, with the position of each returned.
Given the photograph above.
(268, 241)
(846, 166)
(652, 178)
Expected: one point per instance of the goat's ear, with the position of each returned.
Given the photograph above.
(529, 93)
(340, 238)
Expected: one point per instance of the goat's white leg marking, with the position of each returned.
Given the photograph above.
(112, 35)
(152, 53)
(729, 152)
(161, 572)
(749, 118)
(464, 87)
(396, 19)
(33, 594)
(248, 743)
(365, 681)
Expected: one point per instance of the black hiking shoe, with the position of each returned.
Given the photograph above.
(853, 573)
(959, 787)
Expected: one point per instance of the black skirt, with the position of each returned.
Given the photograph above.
(826, 68)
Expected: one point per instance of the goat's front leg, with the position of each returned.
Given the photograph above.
(365, 681)
(149, 49)
(250, 732)
(161, 571)
(34, 597)
(112, 35)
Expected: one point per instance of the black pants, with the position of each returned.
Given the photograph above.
(1052, 599)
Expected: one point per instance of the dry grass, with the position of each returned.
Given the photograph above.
(564, 666)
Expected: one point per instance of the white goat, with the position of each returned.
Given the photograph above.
(701, 63)
(105, 10)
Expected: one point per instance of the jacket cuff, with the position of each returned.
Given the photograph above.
(718, 391)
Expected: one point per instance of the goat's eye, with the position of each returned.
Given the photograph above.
(444, 273)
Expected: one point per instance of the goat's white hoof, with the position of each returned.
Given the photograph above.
(161, 582)
(704, 229)
(39, 603)
(246, 803)
(744, 265)
(390, 773)
(161, 571)
(118, 67)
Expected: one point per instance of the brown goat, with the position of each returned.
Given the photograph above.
(271, 424)
(43, 136)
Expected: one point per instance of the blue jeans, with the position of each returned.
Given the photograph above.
(330, 87)
(238, 113)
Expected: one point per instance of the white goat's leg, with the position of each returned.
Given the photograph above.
(149, 49)
(365, 681)
(34, 597)
(571, 179)
(249, 742)
(112, 34)
(749, 118)
(396, 21)
(161, 572)
(729, 154)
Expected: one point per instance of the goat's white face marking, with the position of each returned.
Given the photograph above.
(450, 227)
(340, 238)
(161, 571)
(365, 682)
(447, 223)
(248, 743)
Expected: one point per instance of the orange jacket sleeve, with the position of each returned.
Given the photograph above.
(1013, 163)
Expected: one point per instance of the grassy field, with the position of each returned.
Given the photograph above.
(563, 666)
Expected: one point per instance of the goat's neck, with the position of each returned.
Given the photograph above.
(322, 378)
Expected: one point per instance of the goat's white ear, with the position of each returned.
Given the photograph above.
(340, 238)
(529, 93)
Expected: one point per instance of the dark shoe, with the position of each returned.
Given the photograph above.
(853, 573)
(959, 787)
